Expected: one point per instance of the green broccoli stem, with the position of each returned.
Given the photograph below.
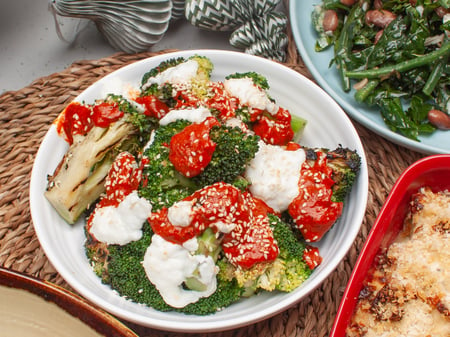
(419, 61)
(298, 124)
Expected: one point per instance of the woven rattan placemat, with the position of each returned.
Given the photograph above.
(26, 115)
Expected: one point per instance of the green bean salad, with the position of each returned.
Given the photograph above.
(395, 54)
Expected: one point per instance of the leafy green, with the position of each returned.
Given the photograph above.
(405, 63)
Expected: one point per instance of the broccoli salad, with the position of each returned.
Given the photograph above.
(197, 193)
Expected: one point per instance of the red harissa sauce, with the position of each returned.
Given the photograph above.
(311, 256)
(249, 242)
(313, 211)
(154, 107)
(191, 150)
(275, 129)
(78, 119)
(123, 178)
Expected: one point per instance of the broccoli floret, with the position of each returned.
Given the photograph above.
(200, 84)
(205, 68)
(144, 123)
(79, 178)
(345, 164)
(258, 79)
(294, 271)
(127, 275)
(121, 267)
(228, 290)
(97, 253)
(209, 244)
(286, 273)
(248, 279)
(161, 183)
(243, 113)
(164, 65)
(298, 124)
(241, 183)
(234, 150)
(227, 293)
(165, 91)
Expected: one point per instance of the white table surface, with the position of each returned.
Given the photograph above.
(30, 47)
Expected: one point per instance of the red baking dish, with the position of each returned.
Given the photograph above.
(432, 171)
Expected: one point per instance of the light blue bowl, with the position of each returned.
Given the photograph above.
(328, 79)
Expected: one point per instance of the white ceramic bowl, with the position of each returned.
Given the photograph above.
(328, 126)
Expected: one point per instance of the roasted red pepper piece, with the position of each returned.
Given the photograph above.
(154, 107)
(275, 129)
(191, 150)
(76, 119)
(106, 113)
(161, 225)
(311, 256)
(252, 239)
(224, 104)
(312, 210)
(123, 178)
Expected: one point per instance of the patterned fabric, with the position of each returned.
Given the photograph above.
(257, 27)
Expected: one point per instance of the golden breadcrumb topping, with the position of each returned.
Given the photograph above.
(408, 290)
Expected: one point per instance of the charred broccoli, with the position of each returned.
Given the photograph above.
(314, 214)
(345, 164)
(79, 178)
